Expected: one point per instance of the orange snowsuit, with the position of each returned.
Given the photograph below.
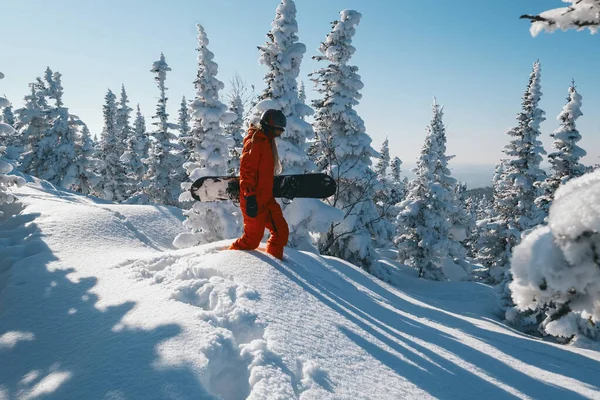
(257, 166)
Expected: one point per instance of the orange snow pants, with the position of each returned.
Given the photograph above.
(270, 217)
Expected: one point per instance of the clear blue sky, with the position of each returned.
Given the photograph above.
(474, 56)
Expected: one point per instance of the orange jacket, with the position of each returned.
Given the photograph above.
(257, 168)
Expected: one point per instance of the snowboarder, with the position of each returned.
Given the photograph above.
(259, 163)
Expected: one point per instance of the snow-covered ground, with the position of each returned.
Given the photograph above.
(95, 303)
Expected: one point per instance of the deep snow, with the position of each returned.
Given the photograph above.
(96, 303)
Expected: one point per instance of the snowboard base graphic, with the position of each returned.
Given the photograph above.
(218, 188)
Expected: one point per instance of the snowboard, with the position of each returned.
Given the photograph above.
(218, 188)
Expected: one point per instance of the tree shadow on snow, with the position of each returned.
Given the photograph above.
(55, 343)
(433, 372)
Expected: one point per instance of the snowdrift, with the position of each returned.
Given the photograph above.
(95, 302)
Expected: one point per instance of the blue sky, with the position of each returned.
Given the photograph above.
(475, 57)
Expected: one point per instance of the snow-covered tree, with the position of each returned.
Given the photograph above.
(565, 161)
(161, 182)
(235, 130)
(580, 14)
(7, 115)
(381, 168)
(383, 196)
(183, 123)
(208, 222)
(113, 185)
(556, 268)
(424, 224)
(6, 182)
(398, 184)
(33, 125)
(282, 54)
(346, 147)
(137, 147)
(122, 121)
(82, 175)
(516, 183)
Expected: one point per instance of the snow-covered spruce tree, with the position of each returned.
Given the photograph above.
(398, 184)
(7, 115)
(137, 147)
(565, 161)
(33, 124)
(123, 122)
(161, 182)
(208, 222)
(235, 130)
(6, 181)
(282, 55)
(580, 14)
(556, 269)
(424, 224)
(463, 223)
(183, 123)
(53, 157)
(515, 187)
(113, 185)
(383, 196)
(346, 147)
(84, 178)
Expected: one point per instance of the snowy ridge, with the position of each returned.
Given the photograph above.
(96, 303)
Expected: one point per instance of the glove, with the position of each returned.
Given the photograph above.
(251, 206)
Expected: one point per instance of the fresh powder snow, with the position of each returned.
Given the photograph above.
(96, 303)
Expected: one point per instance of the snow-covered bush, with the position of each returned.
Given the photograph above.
(556, 269)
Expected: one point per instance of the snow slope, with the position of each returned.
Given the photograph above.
(95, 303)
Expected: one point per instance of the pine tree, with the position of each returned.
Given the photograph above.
(113, 186)
(208, 222)
(6, 181)
(33, 125)
(124, 132)
(282, 54)
(384, 161)
(516, 184)
(7, 115)
(383, 196)
(398, 185)
(138, 145)
(565, 161)
(122, 121)
(183, 122)
(84, 179)
(424, 224)
(346, 148)
(9, 137)
(161, 183)
(235, 130)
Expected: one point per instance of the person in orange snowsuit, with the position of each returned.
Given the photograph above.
(258, 165)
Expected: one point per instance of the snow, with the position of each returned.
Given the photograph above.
(96, 303)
